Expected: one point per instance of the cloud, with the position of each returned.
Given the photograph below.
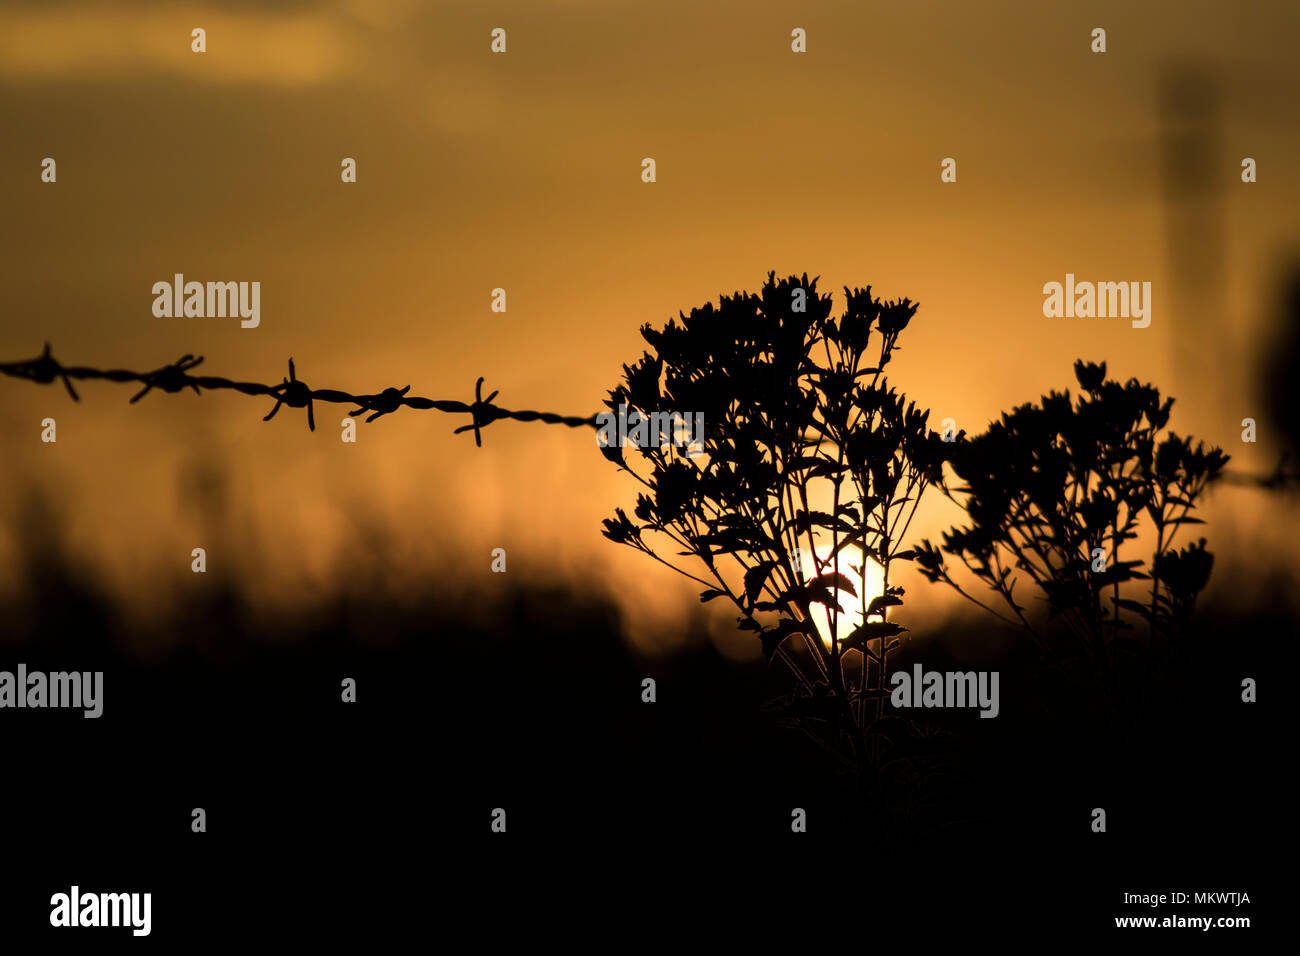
(289, 48)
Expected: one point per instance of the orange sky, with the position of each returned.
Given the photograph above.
(522, 171)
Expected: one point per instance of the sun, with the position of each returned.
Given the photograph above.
(870, 582)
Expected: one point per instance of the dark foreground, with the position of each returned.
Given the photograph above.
(625, 820)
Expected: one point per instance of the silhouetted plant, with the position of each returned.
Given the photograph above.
(1051, 487)
(805, 448)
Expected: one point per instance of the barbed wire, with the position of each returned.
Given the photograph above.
(292, 391)
(295, 393)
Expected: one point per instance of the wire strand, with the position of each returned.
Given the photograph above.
(292, 391)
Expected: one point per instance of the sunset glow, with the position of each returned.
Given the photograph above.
(871, 583)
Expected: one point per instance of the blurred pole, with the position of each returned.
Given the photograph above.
(1193, 174)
